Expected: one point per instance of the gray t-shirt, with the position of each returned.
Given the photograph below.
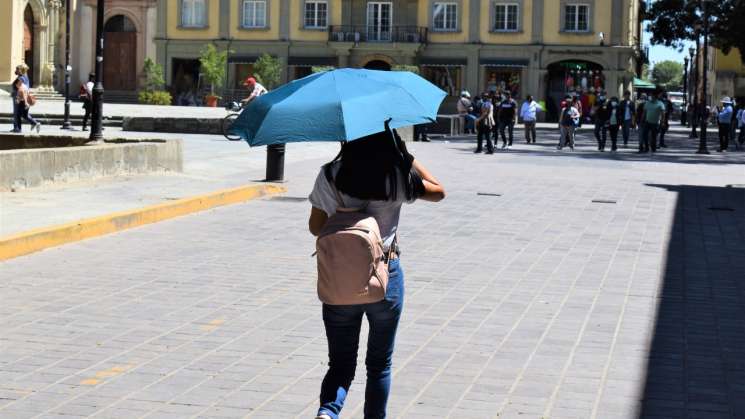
(386, 213)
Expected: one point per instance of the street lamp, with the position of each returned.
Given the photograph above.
(97, 121)
(702, 147)
(696, 110)
(66, 123)
(684, 111)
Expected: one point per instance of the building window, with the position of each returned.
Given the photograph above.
(506, 17)
(316, 13)
(445, 16)
(577, 18)
(254, 14)
(193, 13)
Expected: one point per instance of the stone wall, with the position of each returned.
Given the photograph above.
(32, 167)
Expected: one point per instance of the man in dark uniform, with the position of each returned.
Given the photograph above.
(627, 115)
(507, 117)
(666, 120)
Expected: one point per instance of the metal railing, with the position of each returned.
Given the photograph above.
(378, 33)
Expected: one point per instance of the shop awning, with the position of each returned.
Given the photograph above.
(642, 84)
(242, 59)
(444, 62)
(504, 62)
(311, 61)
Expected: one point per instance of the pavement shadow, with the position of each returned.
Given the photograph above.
(696, 363)
(680, 149)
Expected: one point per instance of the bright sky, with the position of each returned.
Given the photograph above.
(659, 53)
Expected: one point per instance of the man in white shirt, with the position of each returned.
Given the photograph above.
(256, 90)
(528, 114)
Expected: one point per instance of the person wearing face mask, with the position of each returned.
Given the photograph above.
(666, 121)
(615, 121)
(601, 115)
(627, 114)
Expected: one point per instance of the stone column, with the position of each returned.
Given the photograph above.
(83, 51)
(48, 63)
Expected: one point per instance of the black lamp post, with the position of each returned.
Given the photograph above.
(684, 111)
(66, 123)
(97, 121)
(702, 146)
(696, 109)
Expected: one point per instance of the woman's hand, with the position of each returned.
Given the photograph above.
(433, 190)
(316, 221)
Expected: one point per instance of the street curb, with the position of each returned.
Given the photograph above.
(46, 237)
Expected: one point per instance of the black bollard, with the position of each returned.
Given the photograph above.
(275, 163)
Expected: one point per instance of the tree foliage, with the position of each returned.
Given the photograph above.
(668, 74)
(213, 66)
(673, 21)
(268, 71)
(154, 79)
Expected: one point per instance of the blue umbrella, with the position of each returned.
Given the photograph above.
(338, 105)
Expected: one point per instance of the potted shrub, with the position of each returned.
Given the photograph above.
(154, 94)
(212, 68)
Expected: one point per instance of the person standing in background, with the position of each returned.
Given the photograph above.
(627, 113)
(654, 114)
(614, 122)
(20, 73)
(724, 118)
(464, 107)
(86, 95)
(507, 118)
(666, 121)
(528, 114)
(601, 115)
(485, 125)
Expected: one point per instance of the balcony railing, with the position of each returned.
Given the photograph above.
(378, 33)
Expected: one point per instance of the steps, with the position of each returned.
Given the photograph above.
(57, 119)
(48, 95)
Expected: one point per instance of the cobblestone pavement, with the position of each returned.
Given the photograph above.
(525, 299)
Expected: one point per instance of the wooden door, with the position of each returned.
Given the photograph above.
(119, 62)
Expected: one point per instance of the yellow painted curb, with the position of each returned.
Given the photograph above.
(42, 238)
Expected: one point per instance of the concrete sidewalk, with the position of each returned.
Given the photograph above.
(57, 108)
(548, 285)
(210, 163)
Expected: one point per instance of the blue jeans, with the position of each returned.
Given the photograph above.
(16, 117)
(343, 334)
(626, 128)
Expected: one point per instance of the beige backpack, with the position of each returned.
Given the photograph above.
(352, 265)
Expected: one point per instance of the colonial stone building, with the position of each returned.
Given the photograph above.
(539, 47)
(129, 29)
(726, 76)
(31, 33)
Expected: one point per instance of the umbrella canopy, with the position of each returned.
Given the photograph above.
(338, 105)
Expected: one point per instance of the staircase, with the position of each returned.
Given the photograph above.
(47, 95)
(121, 96)
(57, 119)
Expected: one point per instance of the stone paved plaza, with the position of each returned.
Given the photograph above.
(525, 299)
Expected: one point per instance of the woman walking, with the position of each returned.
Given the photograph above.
(377, 175)
(23, 103)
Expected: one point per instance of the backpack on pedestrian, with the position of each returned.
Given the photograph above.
(351, 261)
(30, 99)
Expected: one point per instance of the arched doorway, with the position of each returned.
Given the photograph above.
(571, 77)
(28, 41)
(378, 65)
(120, 54)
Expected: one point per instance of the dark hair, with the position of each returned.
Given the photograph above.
(372, 166)
(92, 77)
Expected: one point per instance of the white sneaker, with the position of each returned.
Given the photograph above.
(323, 417)
(37, 127)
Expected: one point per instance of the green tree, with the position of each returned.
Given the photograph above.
(268, 71)
(668, 74)
(154, 79)
(671, 22)
(213, 63)
(321, 68)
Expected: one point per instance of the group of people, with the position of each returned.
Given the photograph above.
(22, 100)
(651, 115)
(494, 115)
